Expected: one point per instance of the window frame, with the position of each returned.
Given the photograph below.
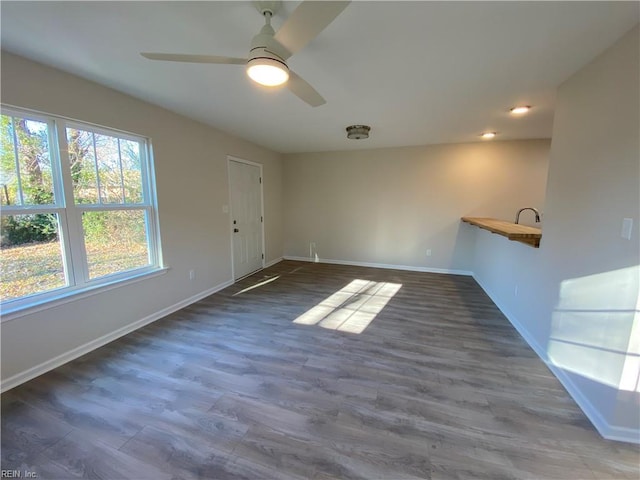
(70, 229)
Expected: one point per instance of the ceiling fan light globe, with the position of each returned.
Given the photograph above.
(267, 71)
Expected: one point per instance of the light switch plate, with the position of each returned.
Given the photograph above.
(627, 226)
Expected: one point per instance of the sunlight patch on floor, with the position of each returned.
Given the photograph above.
(352, 308)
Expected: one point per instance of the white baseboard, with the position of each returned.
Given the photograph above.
(55, 362)
(381, 265)
(593, 414)
(271, 263)
(622, 434)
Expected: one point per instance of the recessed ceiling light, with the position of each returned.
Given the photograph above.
(520, 110)
(488, 135)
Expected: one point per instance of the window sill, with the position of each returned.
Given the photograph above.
(9, 313)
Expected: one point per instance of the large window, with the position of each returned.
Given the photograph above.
(78, 208)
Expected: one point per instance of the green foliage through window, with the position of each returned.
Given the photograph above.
(19, 229)
(107, 218)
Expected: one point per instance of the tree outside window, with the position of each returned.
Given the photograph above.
(78, 209)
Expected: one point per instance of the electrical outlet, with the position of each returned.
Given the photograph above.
(192, 274)
(515, 291)
(428, 252)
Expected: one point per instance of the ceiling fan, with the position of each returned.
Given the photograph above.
(269, 52)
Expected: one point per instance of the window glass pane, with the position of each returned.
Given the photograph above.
(83, 166)
(31, 256)
(28, 181)
(8, 171)
(108, 157)
(105, 169)
(35, 161)
(131, 171)
(115, 241)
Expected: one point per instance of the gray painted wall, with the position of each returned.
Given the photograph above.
(577, 300)
(389, 206)
(191, 172)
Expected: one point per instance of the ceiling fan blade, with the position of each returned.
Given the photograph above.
(304, 91)
(306, 22)
(177, 57)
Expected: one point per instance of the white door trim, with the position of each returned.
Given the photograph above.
(231, 158)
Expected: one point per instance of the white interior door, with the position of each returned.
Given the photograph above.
(245, 185)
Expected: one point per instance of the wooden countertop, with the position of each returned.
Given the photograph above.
(513, 231)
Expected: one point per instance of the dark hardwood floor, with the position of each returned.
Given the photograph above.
(275, 382)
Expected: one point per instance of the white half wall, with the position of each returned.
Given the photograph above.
(192, 187)
(577, 296)
(389, 206)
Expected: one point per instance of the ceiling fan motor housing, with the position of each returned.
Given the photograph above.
(262, 51)
(262, 46)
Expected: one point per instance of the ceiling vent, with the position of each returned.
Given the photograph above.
(358, 132)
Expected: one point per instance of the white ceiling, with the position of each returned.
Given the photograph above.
(417, 72)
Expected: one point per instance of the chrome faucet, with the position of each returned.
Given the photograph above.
(528, 208)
